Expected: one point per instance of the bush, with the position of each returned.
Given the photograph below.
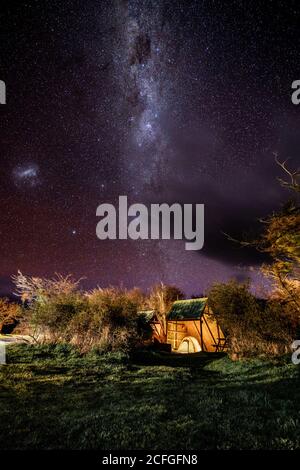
(106, 319)
(253, 326)
(10, 316)
(51, 317)
(112, 323)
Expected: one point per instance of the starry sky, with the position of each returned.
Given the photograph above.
(163, 101)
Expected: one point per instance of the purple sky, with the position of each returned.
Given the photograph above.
(161, 101)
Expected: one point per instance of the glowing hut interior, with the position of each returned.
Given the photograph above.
(191, 327)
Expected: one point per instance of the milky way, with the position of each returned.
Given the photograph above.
(140, 61)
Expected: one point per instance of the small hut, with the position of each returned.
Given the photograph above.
(192, 327)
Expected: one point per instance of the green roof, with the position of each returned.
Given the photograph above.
(148, 314)
(187, 309)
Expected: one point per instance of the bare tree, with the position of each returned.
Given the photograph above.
(30, 288)
(161, 299)
(294, 176)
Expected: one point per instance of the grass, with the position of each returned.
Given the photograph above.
(53, 398)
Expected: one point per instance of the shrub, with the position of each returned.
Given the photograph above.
(51, 317)
(253, 326)
(10, 316)
(114, 322)
(106, 319)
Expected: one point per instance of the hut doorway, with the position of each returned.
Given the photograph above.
(189, 344)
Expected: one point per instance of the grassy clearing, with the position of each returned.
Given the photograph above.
(53, 398)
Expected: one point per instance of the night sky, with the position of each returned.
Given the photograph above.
(162, 101)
